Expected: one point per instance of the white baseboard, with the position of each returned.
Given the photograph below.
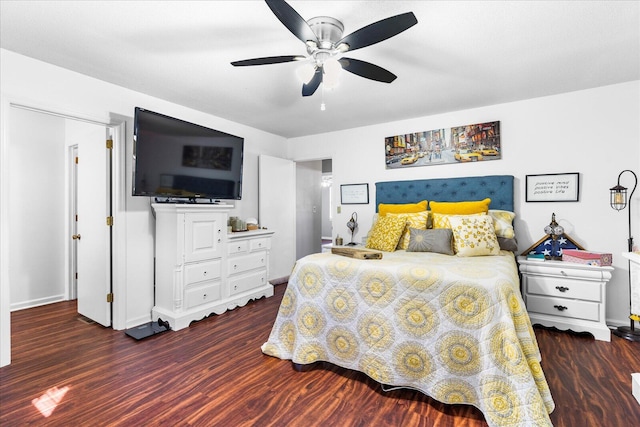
(37, 302)
(635, 386)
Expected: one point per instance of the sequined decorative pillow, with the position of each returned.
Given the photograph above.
(442, 220)
(386, 233)
(474, 235)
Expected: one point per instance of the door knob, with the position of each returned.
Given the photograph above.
(76, 237)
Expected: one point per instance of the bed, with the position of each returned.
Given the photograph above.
(453, 327)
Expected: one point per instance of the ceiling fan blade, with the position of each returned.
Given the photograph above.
(367, 70)
(292, 20)
(379, 31)
(310, 88)
(268, 60)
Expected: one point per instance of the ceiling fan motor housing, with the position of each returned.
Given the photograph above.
(328, 30)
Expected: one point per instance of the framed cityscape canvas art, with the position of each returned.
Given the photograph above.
(461, 144)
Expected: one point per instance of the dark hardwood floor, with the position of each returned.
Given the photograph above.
(214, 374)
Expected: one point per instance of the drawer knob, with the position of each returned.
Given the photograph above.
(562, 288)
(204, 273)
(239, 248)
(560, 307)
(563, 272)
(204, 296)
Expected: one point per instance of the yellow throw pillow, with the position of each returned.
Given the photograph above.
(460, 208)
(442, 220)
(473, 235)
(414, 220)
(385, 208)
(386, 233)
(503, 223)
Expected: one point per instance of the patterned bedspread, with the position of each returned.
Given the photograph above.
(454, 328)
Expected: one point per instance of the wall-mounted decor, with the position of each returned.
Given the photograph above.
(460, 144)
(559, 187)
(354, 194)
(198, 156)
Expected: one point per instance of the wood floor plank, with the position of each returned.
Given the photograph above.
(214, 374)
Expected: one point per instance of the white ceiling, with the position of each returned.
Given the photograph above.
(460, 55)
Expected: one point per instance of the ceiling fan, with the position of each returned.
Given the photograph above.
(325, 45)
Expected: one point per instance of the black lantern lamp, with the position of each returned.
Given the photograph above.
(352, 225)
(619, 201)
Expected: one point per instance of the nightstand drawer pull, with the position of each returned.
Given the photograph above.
(560, 307)
(562, 288)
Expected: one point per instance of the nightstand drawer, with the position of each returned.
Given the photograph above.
(564, 288)
(562, 307)
(194, 273)
(202, 294)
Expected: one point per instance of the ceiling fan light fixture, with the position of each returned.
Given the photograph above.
(305, 72)
(342, 47)
(332, 70)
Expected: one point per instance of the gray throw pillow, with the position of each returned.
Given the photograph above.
(439, 240)
(508, 244)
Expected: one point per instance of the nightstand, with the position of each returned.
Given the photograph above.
(566, 295)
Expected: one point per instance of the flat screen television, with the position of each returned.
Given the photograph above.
(178, 161)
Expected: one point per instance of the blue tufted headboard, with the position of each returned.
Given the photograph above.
(499, 188)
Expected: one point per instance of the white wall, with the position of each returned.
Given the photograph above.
(37, 84)
(37, 193)
(594, 132)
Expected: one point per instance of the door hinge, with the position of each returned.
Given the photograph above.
(76, 160)
(109, 221)
(110, 297)
(109, 144)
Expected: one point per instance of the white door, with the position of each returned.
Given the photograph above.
(93, 234)
(277, 211)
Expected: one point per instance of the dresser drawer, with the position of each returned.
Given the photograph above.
(563, 307)
(249, 262)
(248, 282)
(202, 294)
(237, 247)
(199, 272)
(259, 244)
(564, 288)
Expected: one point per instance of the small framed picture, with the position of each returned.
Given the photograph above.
(354, 194)
(558, 187)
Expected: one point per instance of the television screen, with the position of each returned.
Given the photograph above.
(175, 160)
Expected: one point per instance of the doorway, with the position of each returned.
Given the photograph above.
(41, 259)
(313, 206)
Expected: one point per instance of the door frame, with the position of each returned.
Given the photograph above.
(72, 206)
(117, 124)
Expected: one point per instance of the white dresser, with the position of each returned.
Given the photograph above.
(566, 295)
(200, 268)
